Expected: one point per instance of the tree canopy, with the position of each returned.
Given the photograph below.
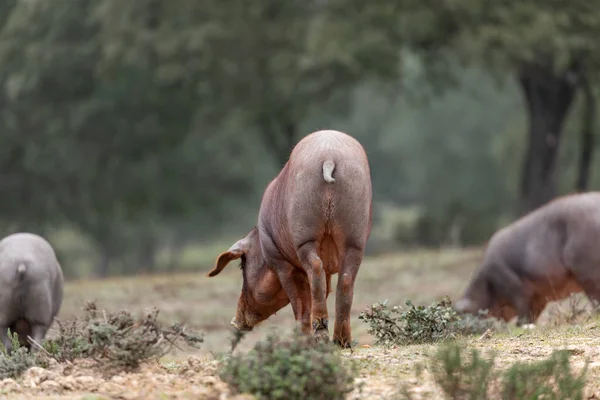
(133, 122)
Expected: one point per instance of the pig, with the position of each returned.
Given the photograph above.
(544, 256)
(314, 221)
(31, 288)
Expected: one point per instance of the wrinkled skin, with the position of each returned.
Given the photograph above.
(314, 221)
(545, 256)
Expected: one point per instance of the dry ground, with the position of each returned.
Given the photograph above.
(207, 305)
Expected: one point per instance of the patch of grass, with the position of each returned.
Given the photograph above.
(19, 361)
(550, 378)
(459, 378)
(117, 339)
(420, 324)
(292, 368)
(472, 377)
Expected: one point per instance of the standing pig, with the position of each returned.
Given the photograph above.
(544, 256)
(314, 221)
(31, 287)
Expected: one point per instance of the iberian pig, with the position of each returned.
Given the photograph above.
(544, 256)
(31, 287)
(314, 221)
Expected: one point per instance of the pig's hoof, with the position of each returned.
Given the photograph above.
(529, 326)
(319, 324)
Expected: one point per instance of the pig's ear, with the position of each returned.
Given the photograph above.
(234, 252)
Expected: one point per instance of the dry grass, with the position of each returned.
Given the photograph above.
(387, 371)
(207, 305)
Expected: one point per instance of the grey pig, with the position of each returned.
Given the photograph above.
(544, 256)
(31, 288)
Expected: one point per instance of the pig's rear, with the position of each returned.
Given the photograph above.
(31, 284)
(330, 191)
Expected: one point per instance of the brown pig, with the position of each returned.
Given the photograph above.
(314, 221)
(546, 255)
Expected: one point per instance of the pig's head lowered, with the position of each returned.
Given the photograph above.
(262, 294)
(479, 296)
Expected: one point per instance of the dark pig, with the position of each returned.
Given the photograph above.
(314, 221)
(31, 287)
(544, 256)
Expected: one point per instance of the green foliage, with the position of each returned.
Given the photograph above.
(118, 339)
(470, 378)
(126, 120)
(500, 35)
(460, 378)
(549, 379)
(421, 324)
(456, 224)
(289, 368)
(19, 361)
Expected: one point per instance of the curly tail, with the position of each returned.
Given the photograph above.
(328, 167)
(21, 269)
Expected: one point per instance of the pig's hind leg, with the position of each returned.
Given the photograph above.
(317, 280)
(38, 333)
(583, 261)
(587, 275)
(343, 297)
(39, 314)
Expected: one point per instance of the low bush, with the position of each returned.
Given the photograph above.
(549, 379)
(421, 324)
(462, 377)
(292, 368)
(19, 361)
(117, 339)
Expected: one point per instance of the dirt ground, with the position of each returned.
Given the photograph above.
(207, 305)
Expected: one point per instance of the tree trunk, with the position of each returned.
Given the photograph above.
(586, 146)
(548, 97)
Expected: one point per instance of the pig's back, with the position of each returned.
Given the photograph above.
(31, 250)
(317, 207)
(540, 237)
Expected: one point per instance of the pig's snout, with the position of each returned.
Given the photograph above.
(240, 327)
(464, 306)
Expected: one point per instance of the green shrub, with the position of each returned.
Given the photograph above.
(117, 339)
(420, 324)
(462, 378)
(293, 368)
(459, 378)
(18, 362)
(548, 379)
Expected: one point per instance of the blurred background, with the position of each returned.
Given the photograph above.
(139, 135)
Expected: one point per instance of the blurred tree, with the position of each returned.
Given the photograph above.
(550, 47)
(99, 121)
(587, 142)
(278, 61)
